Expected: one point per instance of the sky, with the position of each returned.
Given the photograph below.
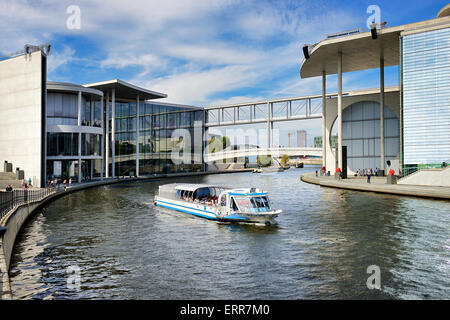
(199, 52)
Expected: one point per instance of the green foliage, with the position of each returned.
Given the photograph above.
(284, 159)
(264, 161)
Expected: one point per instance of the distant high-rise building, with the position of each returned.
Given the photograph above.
(301, 138)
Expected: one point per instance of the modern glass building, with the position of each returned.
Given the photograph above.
(411, 130)
(74, 136)
(115, 129)
(157, 136)
(425, 82)
(361, 134)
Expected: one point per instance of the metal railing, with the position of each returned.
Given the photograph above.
(410, 169)
(12, 199)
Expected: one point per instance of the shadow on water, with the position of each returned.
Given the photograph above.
(126, 248)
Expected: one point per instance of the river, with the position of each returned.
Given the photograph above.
(126, 248)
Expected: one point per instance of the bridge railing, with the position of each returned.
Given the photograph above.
(276, 152)
(11, 199)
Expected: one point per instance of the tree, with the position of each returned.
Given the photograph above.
(284, 159)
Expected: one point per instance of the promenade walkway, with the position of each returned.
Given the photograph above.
(378, 184)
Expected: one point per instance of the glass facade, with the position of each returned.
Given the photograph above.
(162, 129)
(151, 138)
(62, 144)
(425, 71)
(62, 109)
(66, 157)
(361, 135)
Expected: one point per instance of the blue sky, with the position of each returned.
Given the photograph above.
(200, 52)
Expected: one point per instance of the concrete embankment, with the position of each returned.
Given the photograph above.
(13, 221)
(378, 184)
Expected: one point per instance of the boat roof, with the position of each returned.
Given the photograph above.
(196, 186)
(247, 192)
(193, 187)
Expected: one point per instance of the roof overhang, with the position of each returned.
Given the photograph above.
(125, 90)
(64, 87)
(444, 12)
(360, 51)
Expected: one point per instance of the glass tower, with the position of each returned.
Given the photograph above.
(425, 71)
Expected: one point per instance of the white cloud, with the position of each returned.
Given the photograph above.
(58, 59)
(195, 51)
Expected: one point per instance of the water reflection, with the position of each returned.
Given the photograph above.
(325, 239)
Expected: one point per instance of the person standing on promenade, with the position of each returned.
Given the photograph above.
(70, 182)
(369, 173)
(64, 185)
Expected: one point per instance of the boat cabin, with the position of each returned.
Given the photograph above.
(227, 200)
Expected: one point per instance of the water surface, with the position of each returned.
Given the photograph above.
(126, 248)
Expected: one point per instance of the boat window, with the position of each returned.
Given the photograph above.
(223, 201)
(262, 203)
(244, 204)
(253, 204)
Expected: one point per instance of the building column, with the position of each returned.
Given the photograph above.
(271, 125)
(79, 108)
(106, 162)
(79, 136)
(382, 155)
(339, 117)
(268, 125)
(324, 119)
(102, 163)
(113, 130)
(102, 122)
(137, 136)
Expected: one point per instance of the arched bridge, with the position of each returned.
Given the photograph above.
(274, 152)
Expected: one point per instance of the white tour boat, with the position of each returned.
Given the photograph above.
(247, 205)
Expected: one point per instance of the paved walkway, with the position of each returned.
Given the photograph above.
(378, 184)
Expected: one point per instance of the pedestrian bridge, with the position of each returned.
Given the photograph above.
(274, 152)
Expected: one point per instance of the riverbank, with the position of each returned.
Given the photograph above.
(378, 184)
(17, 217)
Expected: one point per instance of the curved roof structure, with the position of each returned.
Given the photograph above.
(65, 87)
(360, 51)
(444, 12)
(125, 90)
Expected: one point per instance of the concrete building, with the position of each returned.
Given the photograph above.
(104, 129)
(301, 138)
(22, 113)
(415, 119)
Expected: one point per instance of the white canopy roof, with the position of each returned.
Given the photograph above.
(193, 187)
